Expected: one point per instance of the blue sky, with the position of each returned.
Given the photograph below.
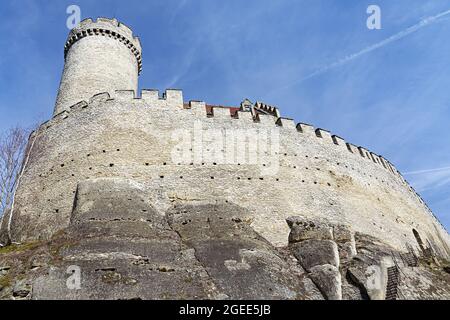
(394, 99)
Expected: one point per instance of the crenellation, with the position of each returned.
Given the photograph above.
(245, 116)
(324, 134)
(266, 120)
(340, 142)
(286, 123)
(306, 129)
(150, 96)
(124, 95)
(174, 98)
(221, 113)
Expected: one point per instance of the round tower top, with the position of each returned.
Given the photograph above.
(108, 28)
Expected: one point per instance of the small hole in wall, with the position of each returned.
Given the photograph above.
(315, 182)
(277, 179)
(147, 164)
(181, 177)
(56, 210)
(88, 155)
(162, 177)
(329, 184)
(73, 175)
(62, 165)
(117, 149)
(111, 164)
(261, 178)
(90, 168)
(104, 151)
(239, 178)
(165, 163)
(212, 178)
(303, 181)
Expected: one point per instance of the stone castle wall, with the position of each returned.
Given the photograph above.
(320, 176)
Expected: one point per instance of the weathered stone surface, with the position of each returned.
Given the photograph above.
(347, 250)
(371, 280)
(328, 279)
(311, 253)
(22, 289)
(303, 229)
(242, 264)
(125, 249)
(343, 233)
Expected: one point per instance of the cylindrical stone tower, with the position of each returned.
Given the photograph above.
(100, 56)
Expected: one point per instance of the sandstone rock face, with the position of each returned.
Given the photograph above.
(124, 249)
(304, 230)
(311, 253)
(328, 279)
(118, 246)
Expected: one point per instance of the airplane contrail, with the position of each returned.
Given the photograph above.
(395, 37)
(427, 171)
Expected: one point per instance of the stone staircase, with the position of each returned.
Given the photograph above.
(392, 285)
(409, 259)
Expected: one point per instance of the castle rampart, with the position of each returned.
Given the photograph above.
(120, 134)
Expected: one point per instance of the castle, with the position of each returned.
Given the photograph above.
(115, 168)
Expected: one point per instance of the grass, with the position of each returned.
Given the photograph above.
(5, 281)
(16, 248)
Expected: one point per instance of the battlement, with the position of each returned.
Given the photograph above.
(174, 98)
(107, 28)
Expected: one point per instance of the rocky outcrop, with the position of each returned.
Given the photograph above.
(118, 246)
(319, 248)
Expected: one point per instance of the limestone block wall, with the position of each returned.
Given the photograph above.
(320, 176)
(100, 56)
